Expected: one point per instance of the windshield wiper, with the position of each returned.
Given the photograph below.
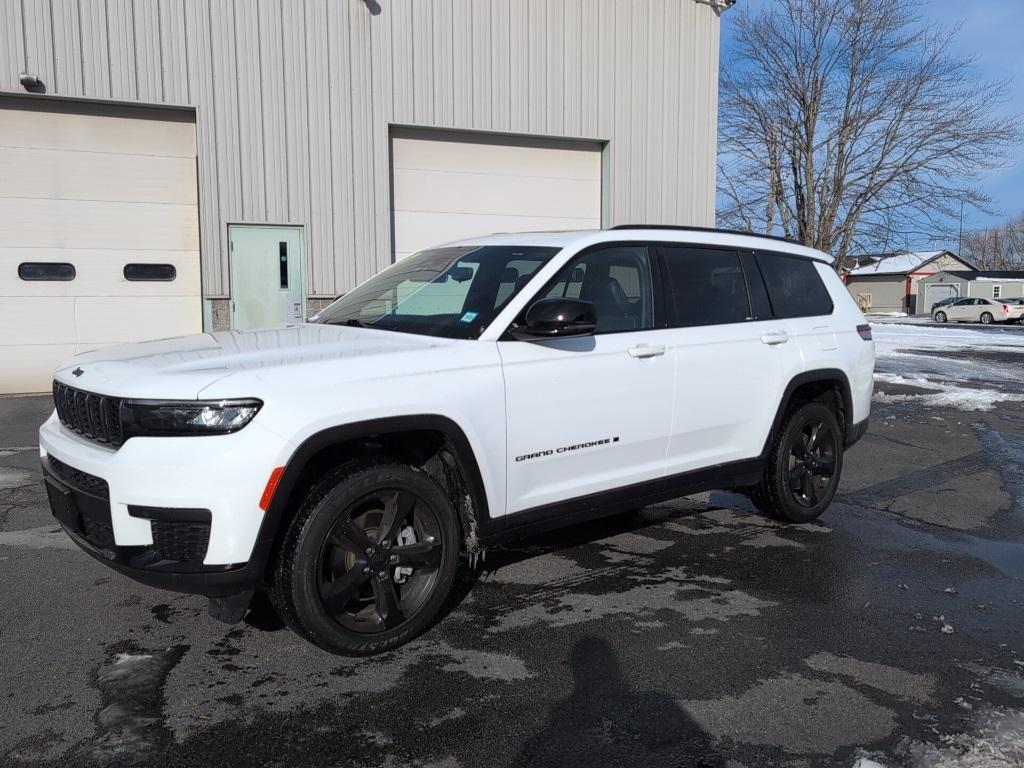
(355, 323)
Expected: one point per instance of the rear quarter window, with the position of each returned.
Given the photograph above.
(795, 288)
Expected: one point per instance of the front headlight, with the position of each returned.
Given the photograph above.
(168, 418)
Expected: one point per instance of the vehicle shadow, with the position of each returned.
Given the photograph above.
(603, 722)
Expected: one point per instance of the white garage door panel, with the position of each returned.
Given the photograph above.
(415, 231)
(91, 224)
(106, 320)
(450, 190)
(497, 159)
(36, 320)
(100, 272)
(97, 133)
(98, 187)
(460, 192)
(28, 368)
(61, 174)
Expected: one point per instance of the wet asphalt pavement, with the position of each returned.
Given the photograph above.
(698, 634)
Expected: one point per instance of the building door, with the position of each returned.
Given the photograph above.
(452, 186)
(267, 273)
(99, 231)
(937, 292)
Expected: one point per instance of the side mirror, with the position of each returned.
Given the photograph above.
(554, 318)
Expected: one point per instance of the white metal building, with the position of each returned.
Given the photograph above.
(170, 165)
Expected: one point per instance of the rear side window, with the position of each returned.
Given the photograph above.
(794, 286)
(707, 286)
(46, 270)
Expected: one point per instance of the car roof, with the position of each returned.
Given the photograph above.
(581, 238)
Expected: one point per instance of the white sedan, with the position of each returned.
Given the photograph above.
(979, 311)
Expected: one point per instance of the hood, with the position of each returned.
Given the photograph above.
(181, 367)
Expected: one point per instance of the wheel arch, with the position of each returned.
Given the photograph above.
(421, 440)
(816, 385)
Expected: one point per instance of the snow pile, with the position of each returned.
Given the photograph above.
(998, 742)
(970, 370)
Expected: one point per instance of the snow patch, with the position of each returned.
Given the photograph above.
(943, 395)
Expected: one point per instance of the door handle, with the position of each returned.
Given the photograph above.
(775, 337)
(646, 350)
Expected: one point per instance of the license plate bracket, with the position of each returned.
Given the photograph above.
(62, 504)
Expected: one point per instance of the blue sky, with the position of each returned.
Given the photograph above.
(993, 32)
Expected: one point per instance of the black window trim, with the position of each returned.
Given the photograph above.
(757, 258)
(659, 310)
(50, 279)
(171, 279)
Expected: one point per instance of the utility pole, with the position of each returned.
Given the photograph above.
(960, 237)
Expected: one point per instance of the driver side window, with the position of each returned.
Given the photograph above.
(617, 281)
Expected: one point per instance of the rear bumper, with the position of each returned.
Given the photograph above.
(81, 504)
(855, 432)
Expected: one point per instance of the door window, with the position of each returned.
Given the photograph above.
(617, 281)
(794, 286)
(707, 286)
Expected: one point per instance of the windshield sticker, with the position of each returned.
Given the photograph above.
(469, 317)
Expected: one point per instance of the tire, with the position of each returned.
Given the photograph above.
(804, 464)
(940, 317)
(986, 318)
(336, 577)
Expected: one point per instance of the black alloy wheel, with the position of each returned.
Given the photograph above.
(812, 461)
(804, 464)
(369, 559)
(379, 562)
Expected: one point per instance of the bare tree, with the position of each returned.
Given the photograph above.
(997, 248)
(847, 125)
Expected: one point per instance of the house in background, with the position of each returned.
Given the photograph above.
(888, 282)
(985, 284)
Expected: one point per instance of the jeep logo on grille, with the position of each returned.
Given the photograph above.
(77, 372)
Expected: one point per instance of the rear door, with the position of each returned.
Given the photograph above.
(732, 358)
(801, 301)
(590, 414)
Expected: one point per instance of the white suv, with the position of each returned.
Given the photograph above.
(467, 395)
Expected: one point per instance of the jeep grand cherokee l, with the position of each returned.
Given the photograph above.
(466, 395)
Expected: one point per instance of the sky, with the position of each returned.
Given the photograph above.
(993, 32)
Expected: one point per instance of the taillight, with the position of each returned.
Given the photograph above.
(864, 331)
(1005, 308)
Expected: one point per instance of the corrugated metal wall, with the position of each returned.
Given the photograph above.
(294, 98)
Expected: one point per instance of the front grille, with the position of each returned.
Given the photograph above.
(79, 479)
(181, 541)
(96, 417)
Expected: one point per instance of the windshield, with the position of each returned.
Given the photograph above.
(453, 292)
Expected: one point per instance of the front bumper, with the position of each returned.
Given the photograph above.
(176, 513)
(84, 514)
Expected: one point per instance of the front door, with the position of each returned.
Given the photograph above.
(589, 414)
(266, 276)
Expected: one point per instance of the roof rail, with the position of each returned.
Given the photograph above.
(685, 228)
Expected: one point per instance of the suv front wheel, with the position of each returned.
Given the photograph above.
(804, 464)
(369, 559)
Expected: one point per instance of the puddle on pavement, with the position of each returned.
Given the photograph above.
(131, 723)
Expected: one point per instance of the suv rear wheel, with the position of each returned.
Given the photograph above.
(804, 464)
(369, 559)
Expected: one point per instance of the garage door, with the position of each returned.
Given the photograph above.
(451, 189)
(99, 238)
